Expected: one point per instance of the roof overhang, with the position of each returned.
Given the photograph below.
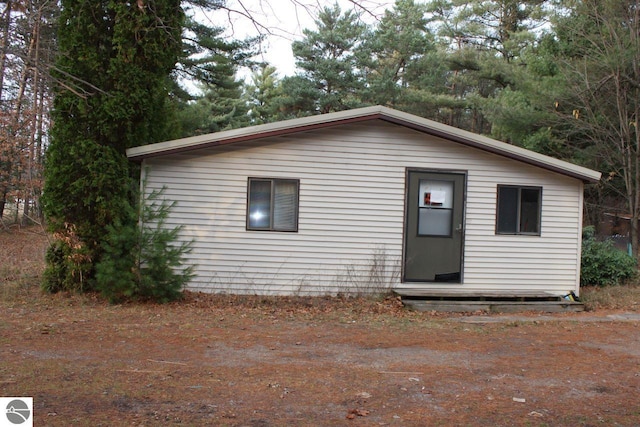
(420, 124)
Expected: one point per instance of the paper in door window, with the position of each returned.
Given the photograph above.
(436, 193)
(434, 198)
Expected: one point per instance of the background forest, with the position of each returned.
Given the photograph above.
(81, 81)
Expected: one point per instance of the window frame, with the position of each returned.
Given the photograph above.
(273, 182)
(518, 218)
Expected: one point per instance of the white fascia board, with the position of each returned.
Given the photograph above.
(496, 146)
(359, 114)
(252, 132)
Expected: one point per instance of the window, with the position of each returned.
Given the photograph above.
(518, 210)
(435, 204)
(272, 204)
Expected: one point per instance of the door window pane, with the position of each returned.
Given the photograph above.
(436, 193)
(435, 206)
(434, 222)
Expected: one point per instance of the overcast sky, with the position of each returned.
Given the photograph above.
(284, 21)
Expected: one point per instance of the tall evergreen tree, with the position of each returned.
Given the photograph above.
(299, 98)
(262, 94)
(393, 55)
(113, 71)
(484, 41)
(328, 60)
(220, 107)
(523, 113)
(212, 62)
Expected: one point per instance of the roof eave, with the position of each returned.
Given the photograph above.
(506, 150)
(268, 130)
(358, 115)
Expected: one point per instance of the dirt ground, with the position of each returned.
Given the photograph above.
(252, 361)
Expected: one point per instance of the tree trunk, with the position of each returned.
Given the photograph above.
(5, 47)
(29, 187)
(38, 159)
(3, 62)
(3, 201)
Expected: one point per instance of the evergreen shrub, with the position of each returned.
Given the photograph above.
(142, 259)
(602, 263)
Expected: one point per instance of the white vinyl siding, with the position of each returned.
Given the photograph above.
(351, 212)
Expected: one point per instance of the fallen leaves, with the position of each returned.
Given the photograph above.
(353, 413)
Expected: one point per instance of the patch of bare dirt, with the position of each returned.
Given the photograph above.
(254, 361)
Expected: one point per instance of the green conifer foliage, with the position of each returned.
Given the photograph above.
(154, 271)
(327, 58)
(113, 74)
(261, 95)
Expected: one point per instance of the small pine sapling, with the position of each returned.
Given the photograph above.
(143, 259)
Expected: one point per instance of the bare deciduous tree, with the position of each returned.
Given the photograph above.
(603, 74)
(27, 46)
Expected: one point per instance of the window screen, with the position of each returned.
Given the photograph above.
(518, 210)
(272, 204)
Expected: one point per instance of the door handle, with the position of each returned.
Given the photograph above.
(459, 228)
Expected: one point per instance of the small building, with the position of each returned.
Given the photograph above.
(370, 199)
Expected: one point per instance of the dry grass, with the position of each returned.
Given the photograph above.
(623, 297)
(22, 253)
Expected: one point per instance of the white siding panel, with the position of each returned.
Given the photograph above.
(351, 213)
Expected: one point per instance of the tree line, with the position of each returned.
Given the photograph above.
(560, 77)
(82, 81)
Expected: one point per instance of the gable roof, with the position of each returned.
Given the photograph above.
(420, 124)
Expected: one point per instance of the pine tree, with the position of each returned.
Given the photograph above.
(154, 270)
(212, 61)
(328, 60)
(394, 56)
(262, 94)
(484, 41)
(221, 107)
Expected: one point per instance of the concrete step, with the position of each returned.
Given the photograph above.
(493, 306)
